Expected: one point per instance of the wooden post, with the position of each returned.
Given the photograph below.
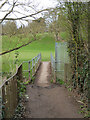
(9, 93)
(65, 72)
(7, 101)
(15, 95)
(19, 73)
(19, 77)
(3, 97)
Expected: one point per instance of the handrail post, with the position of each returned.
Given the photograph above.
(40, 57)
(35, 64)
(32, 67)
(29, 70)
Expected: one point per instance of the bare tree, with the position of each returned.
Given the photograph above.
(9, 28)
(54, 25)
(18, 10)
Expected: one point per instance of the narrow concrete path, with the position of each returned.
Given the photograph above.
(43, 76)
(48, 100)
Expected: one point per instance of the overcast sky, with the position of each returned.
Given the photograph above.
(36, 4)
(20, 10)
(47, 3)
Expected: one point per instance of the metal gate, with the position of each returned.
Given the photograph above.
(61, 58)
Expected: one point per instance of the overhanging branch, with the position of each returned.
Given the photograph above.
(3, 4)
(20, 18)
(26, 15)
(3, 53)
(8, 13)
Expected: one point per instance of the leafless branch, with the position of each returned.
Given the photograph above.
(7, 13)
(3, 3)
(23, 16)
(16, 48)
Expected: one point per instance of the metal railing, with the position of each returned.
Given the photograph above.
(33, 65)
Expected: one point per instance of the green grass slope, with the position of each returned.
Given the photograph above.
(45, 46)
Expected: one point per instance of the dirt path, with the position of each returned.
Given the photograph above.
(49, 100)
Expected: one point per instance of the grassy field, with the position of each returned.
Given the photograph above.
(45, 46)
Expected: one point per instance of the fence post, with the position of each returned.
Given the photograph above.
(65, 72)
(40, 57)
(55, 72)
(35, 64)
(29, 69)
(32, 67)
(55, 75)
(10, 93)
(19, 73)
(3, 97)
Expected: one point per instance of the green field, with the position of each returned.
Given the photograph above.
(45, 46)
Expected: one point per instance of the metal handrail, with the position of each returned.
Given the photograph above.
(36, 60)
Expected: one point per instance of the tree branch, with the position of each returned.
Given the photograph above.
(3, 4)
(17, 48)
(23, 16)
(8, 13)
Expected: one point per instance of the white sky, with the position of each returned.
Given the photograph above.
(47, 3)
(37, 4)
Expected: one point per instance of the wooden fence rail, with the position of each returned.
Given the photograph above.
(9, 88)
(10, 93)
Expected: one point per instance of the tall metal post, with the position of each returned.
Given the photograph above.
(32, 67)
(55, 76)
(29, 70)
(35, 64)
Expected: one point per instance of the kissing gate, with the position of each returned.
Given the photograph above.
(61, 63)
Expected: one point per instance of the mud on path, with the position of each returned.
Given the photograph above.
(48, 100)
